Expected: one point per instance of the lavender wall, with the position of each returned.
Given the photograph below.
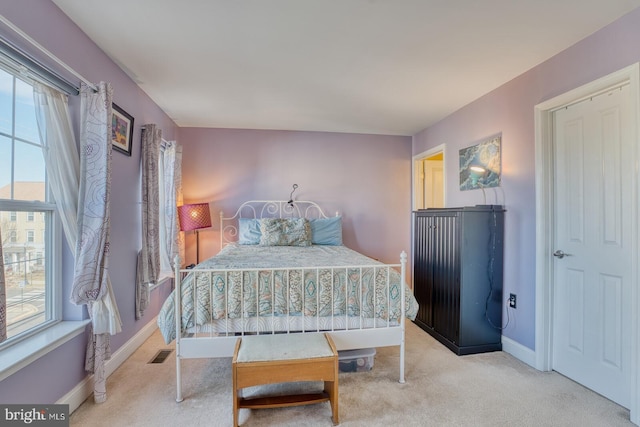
(62, 369)
(509, 110)
(365, 177)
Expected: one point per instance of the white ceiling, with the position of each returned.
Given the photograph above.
(365, 66)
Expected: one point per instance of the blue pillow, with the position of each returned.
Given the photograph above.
(249, 231)
(326, 231)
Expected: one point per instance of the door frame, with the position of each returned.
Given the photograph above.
(545, 221)
(421, 156)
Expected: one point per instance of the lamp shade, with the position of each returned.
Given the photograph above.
(194, 216)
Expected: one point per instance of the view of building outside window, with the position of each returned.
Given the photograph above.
(23, 250)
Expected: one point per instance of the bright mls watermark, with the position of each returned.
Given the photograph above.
(34, 415)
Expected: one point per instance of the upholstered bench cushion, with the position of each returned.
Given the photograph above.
(258, 348)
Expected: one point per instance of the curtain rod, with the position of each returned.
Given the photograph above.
(12, 58)
(46, 52)
(162, 140)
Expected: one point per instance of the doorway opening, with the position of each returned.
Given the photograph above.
(429, 179)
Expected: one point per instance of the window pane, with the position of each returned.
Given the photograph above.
(26, 125)
(5, 167)
(6, 101)
(24, 253)
(29, 173)
(26, 228)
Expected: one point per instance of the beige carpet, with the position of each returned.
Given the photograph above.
(442, 389)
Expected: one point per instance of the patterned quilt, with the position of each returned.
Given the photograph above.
(265, 284)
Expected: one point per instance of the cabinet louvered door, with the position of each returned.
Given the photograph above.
(436, 273)
(445, 273)
(422, 270)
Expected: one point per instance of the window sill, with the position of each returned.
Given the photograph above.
(30, 349)
(161, 281)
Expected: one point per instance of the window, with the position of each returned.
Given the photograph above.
(28, 242)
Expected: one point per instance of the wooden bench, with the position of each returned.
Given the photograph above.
(281, 358)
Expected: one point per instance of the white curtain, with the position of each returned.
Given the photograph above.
(170, 193)
(3, 297)
(80, 183)
(60, 153)
(91, 285)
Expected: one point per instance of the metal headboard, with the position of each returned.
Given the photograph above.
(267, 209)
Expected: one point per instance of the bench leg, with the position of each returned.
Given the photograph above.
(331, 387)
(236, 397)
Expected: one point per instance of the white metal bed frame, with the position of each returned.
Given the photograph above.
(195, 345)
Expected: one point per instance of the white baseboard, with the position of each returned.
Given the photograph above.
(520, 352)
(84, 389)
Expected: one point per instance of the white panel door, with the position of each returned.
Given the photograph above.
(592, 287)
(434, 184)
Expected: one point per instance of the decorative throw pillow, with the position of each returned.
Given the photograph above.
(326, 231)
(285, 232)
(248, 231)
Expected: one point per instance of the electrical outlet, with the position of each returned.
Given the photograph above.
(512, 300)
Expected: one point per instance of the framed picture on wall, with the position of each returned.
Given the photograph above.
(480, 165)
(121, 130)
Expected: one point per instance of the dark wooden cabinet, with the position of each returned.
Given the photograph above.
(457, 274)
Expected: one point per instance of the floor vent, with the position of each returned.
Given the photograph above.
(160, 356)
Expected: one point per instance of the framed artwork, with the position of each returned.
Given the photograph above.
(121, 130)
(480, 165)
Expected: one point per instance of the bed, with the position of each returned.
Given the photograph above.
(283, 269)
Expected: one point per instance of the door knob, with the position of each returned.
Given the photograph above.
(560, 254)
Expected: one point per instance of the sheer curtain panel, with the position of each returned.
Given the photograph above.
(3, 297)
(171, 188)
(60, 155)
